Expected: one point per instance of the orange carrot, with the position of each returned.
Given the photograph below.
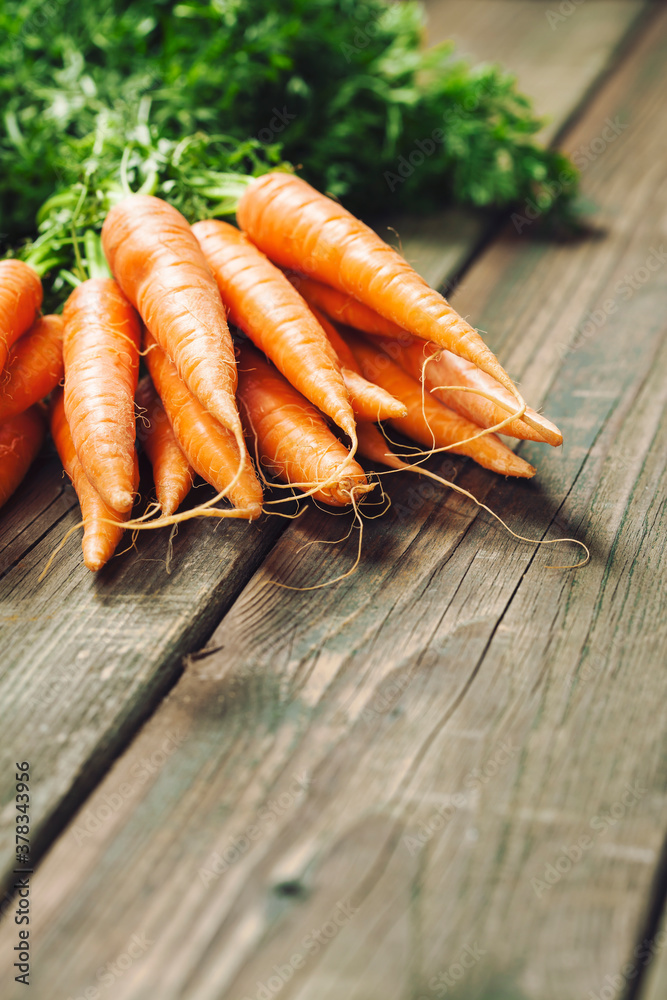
(446, 369)
(374, 446)
(158, 263)
(263, 304)
(34, 366)
(101, 354)
(209, 447)
(21, 438)
(369, 401)
(102, 526)
(344, 309)
(20, 301)
(301, 229)
(343, 352)
(172, 473)
(436, 426)
(292, 439)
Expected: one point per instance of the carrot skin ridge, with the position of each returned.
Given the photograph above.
(101, 356)
(209, 448)
(21, 437)
(158, 263)
(345, 356)
(34, 366)
(292, 438)
(373, 446)
(20, 301)
(102, 526)
(442, 368)
(370, 402)
(264, 305)
(172, 473)
(345, 309)
(328, 243)
(433, 424)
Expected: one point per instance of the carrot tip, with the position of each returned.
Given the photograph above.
(168, 502)
(95, 560)
(122, 501)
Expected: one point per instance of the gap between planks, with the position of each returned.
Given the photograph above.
(89, 658)
(287, 700)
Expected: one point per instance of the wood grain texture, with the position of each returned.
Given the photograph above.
(557, 60)
(89, 658)
(33, 511)
(453, 764)
(86, 657)
(572, 46)
(649, 954)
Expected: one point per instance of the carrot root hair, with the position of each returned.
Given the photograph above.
(358, 521)
(60, 546)
(417, 467)
(308, 489)
(144, 522)
(484, 431)
(206, 509)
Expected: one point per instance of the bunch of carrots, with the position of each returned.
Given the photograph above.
(340, 339)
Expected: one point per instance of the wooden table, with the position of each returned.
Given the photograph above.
(446, 774)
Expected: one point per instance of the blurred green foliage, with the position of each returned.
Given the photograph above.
(341, 89)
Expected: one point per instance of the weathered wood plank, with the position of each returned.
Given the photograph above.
(90, 657)
(86, 657)
(557, 60)
(456, 758)
(648, 956)
(532, 33)
(44, 496)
